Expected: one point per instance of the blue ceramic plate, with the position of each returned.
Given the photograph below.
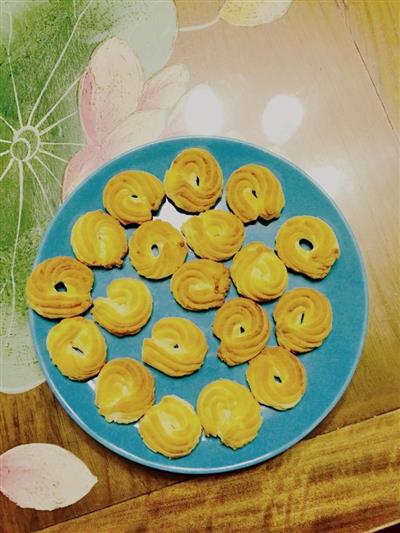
(329, 368)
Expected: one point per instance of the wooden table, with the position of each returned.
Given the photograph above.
(339, 59)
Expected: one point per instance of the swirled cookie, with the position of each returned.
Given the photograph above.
(44, 287)
(77, 347)
(216, 234)
(243, 328)
(229, 411)
(320, 250)
(277, 378)
(126, 309)
(171, 427)
(131, 196)
(200, 284)
(97, 239)
(124, 390)
(303, 319)
(258, 273)
(177, 347)
(194, 181)
(253, 191)
(157, 249)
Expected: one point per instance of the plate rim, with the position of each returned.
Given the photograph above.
(243, 464)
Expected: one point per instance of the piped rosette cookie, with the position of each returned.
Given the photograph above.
(157, 249)
(171, 427)
(132, 196)
(303, 319)
(98, 239)
(253, 192)
(229, 411)
(307, 245)
(243, 329)
(194, 181)
(77, 348)
(177, 347)
(126, 309)
(258, 273)
(200, 284)
(277, 378)
(60, 287)
(215, 235)
(124, 390)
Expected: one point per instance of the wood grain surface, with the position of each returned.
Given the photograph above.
(329, 483)
(338, 59)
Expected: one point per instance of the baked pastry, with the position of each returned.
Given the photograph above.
(194, 181)
(322, 249)
(43, 292)
(124, 390)
(177, 347)
(243, 328)
(252, 191)
(126, 309)
(200, 284)
(77, 347)
(229, 411)
(171, 427)
(132, 195)
(97, 239)
(258, 273)
(277, 378)
(157, 249)
(303, 319)
(216, 234)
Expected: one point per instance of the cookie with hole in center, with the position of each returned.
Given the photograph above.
(77, 348)
(307, 245)
(157, 249)
(243, 329)
(277, 378)
(132, 196)
(194, 181)
(303, 319)
(60, 287)
(253, 192)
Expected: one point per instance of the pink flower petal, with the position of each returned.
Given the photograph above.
(43, 476)
(81, 165)
(164, 89)
(140, 128)
(110, 89)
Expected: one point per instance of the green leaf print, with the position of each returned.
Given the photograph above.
(44, 48)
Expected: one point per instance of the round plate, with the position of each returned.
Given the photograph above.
(329, 368)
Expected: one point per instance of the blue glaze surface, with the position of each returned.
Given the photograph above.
(329, 368)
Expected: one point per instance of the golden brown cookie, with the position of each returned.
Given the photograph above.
(157, 249)
(124, 390)
(97, 239)
(229, 411)
(277, 378)
(131, 196)
(194, 181)
(303, 319)
(307, 245)
(77, 347)
(126, 309)
(200, 284)
(171, 427)
(60, 287)
(177, 347)
(243, 328)
(216, 234)
(254, 192)
(258, 273)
